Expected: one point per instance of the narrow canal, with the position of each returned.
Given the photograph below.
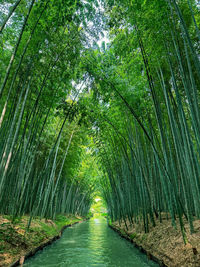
(90, 243)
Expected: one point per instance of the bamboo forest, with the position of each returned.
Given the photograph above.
(100, 129)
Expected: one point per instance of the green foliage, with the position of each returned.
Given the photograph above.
(42, 144)
(98, 206)
(120, 120)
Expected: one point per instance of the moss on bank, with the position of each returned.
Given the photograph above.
(16, 241)
(165, 242)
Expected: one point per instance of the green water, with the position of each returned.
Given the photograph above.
(90, 243)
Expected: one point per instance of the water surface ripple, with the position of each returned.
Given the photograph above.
(90, 243)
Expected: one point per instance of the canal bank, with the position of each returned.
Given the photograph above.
(164, 244)
(17, 243)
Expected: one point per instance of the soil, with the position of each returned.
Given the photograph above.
(165, 242)
(16, 241)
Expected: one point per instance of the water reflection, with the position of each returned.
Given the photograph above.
(90, 243)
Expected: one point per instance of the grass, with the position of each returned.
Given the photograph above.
(16, 240)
